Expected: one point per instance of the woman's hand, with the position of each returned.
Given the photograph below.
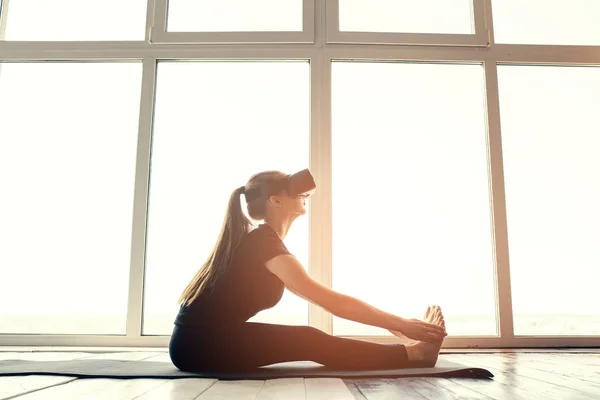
(399, 334)
(422, 331)
(432, 331)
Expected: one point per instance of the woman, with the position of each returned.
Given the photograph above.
(247, 272)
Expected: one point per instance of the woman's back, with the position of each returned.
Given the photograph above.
(246, 288)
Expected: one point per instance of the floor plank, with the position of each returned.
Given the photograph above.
(374, 388)
(377, 389)
(353, 388)
(163, 357)
(233, 390)
(283, 389)
(577, 367)
(489, 387)
(403, 390)
(495, 390)
(326, 389)
(76, 389)
(541, 389)
(12, 386)
(124, 389)
(179, 389)
(355, 391)
(540, 372)
(430, 389)
(96, 389)
(458, 390)
(42, 356)
(70, 387)
(129, 355)
(572, 376)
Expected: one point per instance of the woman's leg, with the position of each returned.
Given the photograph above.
(258, 344)
(251, 345)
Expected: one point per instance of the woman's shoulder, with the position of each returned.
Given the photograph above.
(261, 238)
(257, 235)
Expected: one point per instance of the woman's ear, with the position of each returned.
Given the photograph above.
(274, 200)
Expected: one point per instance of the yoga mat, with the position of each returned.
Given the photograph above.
(151, 369)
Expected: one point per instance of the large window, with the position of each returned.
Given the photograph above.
(453, 144)
(67, 170)
(216, 124)
(551, 139)
(410, 193)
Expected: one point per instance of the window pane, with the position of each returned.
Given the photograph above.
(68, 138)
(572, 22)
(406, 16)
(410, 193)
(76, 20)
(216, 124)
(550, 141)
(234, 15)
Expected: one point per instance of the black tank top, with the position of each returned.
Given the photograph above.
(246, 288)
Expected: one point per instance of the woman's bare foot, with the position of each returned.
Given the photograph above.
(424, 352)
(425, 318)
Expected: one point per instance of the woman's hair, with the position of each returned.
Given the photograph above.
(235, 226)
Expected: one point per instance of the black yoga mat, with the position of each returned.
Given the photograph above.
(151, 369)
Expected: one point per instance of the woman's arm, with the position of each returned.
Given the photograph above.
(351, 308)
(295, 278)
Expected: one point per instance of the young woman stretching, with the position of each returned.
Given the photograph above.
(247, 272)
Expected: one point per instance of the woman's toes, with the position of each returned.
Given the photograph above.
(439, 319)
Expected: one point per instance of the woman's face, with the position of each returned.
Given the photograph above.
(296, 204)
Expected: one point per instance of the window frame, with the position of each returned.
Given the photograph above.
(477, 39)
(159, 33)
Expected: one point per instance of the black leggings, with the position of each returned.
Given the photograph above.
(249, 345)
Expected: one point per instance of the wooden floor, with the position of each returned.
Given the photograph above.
(517, 376)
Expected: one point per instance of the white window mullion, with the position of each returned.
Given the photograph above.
(320, 164)
(3, 18)
(504, 315)
(504, 312)
(488, 21)
(150, 9)
(158, 27)
(140, 205)
(500, 53)
(480, 26)
(309, 16)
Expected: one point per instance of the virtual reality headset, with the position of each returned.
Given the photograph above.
(294, 185)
